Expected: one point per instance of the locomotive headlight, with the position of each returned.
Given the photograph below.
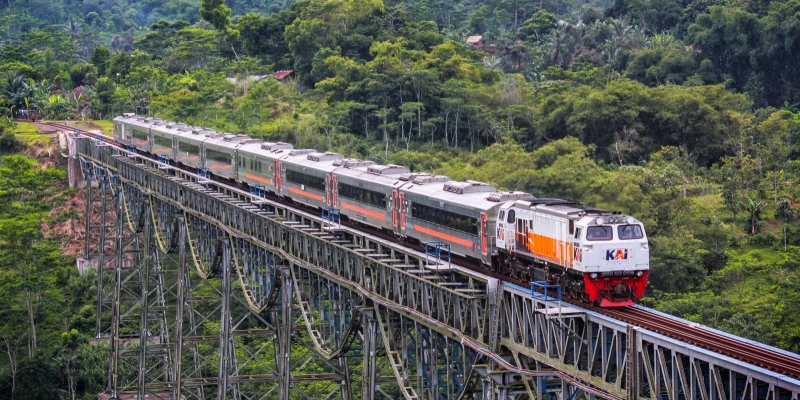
(639, 274)
(631, 220)
(600, 221)
(593, 275)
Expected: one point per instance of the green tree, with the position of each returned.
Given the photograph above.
(215, 12)
(727, 38)
(100, 59)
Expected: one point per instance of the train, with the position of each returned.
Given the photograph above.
(597, 256)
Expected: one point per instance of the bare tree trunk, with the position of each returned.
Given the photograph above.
(32, 320)
(12, 363)
(419, 122)
(446, 136)
(455, 132)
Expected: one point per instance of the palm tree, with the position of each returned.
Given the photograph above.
(17, 91)
(559, 48)
(513, 58)
(754, 209)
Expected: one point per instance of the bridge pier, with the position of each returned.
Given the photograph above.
(283, 348)
(369, 350)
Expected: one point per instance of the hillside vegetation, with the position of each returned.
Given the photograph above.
(682, 113)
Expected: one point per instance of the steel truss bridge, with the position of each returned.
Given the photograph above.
(206, 291)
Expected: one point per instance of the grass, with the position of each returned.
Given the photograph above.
(104, 124)
(27, 132)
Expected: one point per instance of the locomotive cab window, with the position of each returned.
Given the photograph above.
(578, 233)
(630, 232)
(511, 218)
(599, 233)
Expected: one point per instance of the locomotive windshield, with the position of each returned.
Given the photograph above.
(599, 233)
(629, 232)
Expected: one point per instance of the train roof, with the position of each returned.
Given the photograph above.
(229, 140)
(269, 150)
(311, 159)
(562, 207)
(385, 175)
(469, 194)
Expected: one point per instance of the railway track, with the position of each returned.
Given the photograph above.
(699, 336)
(691, 333)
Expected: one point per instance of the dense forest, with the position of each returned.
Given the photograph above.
(683, 113)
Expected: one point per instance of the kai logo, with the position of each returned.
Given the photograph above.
(616, 255)
(577, 254)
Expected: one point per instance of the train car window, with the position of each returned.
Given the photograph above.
(600, 232)
(218, 156)
(445, 218)
(305, 179)
(511, 217)
(139, 134)
(162, 141)
(630, 232)
(188, 148)
(571, 227)
(361, 195)
(502, 215)
(258, 166)
(520, 222)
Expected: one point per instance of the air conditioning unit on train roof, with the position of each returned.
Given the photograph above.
(390, 169)
(128, 115)
(409, 176)
(157, 121)
(301, 152)
(468, 187)
(276, 146)
(506, 196)
(352, 163)
(425, 178)
(240, 139)
(326, 156)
